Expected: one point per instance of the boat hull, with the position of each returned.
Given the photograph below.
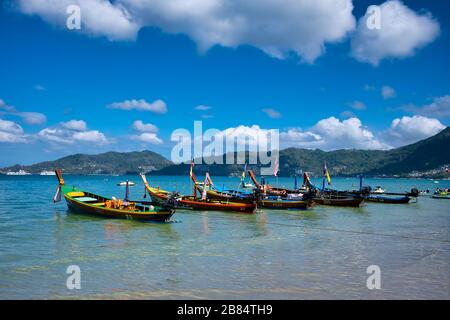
(84, 208)
(402, 200)
(441, 197)
(283, 204)
(223, 196)
(186, 202)
(344, 202)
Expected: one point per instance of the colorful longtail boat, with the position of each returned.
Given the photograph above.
(195, 203)
(89, 203)
(329, 197)
(300, 202)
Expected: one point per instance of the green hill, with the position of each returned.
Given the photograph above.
(105, 163)
(423, 156)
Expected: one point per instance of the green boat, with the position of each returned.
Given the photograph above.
(90, 203)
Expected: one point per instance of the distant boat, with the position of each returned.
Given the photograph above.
(124, 184)
(441, 194)
(379, 190)
(18, 173)
(47, 173)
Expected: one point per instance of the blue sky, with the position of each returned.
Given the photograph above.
(304, 80)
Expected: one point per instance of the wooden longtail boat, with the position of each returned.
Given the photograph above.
(90, 203)
(330, 197)
(194, 203)
(382, 199)
(264, 201)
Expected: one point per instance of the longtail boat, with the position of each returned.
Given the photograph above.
(441, 194)
(89, 203)
(384, 199)
(330, 197)
(193, 202)
(299, 201)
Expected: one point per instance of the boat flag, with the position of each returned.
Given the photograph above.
(57, 197)
(326, 173)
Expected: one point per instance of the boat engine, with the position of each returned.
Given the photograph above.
(172, 201)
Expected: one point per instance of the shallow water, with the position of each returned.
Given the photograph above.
(319, 253)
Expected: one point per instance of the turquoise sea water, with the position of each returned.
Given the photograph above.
(322, 253)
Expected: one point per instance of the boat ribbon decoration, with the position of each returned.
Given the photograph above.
(326, 173)
(57, 197)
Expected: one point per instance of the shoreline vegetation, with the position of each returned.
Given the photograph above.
(429, 158)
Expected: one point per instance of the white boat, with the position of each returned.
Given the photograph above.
(18, 173)
(124, 183)
(47, 173)
(379, 190)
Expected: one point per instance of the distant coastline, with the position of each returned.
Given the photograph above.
(429, 158)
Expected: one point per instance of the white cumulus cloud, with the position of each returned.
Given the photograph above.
(277, 27)
(71, 132)
(147, 137)
(147, 133)
(78, 125)
(140, 126)
(31, 118)
(157, 106)
(98, 17)
(11, 132)
(408, 130)
(90, 136)
(401, 33)
(440, 107)
(332, 134)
